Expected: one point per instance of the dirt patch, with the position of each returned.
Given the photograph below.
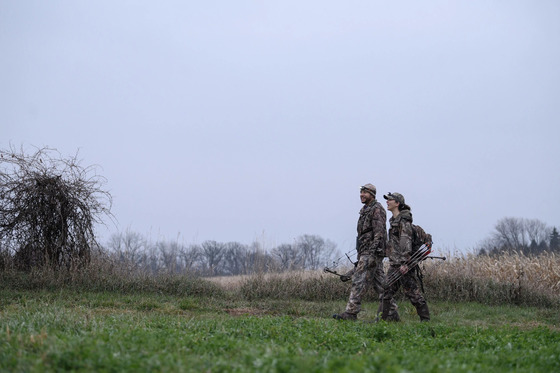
(533, 325)
(244, 311)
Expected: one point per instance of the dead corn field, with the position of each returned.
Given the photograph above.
(510, 278)
(506, 279)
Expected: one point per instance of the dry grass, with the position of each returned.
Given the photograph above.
(508, 279)
(104, 274)
(234, 283)
(538, 273)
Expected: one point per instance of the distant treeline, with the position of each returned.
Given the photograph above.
(49, 204)
(518, 235)
(211, 258)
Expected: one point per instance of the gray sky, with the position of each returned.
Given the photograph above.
(259, 120)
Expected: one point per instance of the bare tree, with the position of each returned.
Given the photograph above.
(510, 233)
(212, 255)
(168, 255)
(258, 260)
(48, 208)
(516, 234)
(190, 257)
(213, 258)
(235, 259)
(315, 250)
(129, 246)
(536, 230)
(288, 257)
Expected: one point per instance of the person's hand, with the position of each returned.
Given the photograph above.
(403, 269)
(344, 278)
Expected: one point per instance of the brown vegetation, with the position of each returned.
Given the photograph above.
(48, 208)
(507, 279)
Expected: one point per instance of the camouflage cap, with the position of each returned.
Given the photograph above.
(369, 188)
(395, 196)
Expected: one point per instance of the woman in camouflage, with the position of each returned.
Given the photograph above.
(399, 250)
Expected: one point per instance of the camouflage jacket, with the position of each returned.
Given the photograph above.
(400, 238)
(372, 233)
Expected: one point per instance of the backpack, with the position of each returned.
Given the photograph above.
(420, 237)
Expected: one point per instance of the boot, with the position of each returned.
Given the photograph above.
(387, 315)
(345, 316)
(423, 312)
(391, 314)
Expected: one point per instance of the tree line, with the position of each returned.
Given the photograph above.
(212, 258)
(49, 206)
(520, 235)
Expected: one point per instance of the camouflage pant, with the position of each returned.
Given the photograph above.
(369, 270)
(410, 290)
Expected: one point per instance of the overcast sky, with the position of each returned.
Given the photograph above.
(259, 120)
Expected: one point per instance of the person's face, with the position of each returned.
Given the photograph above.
(392, 204)
(365, 196)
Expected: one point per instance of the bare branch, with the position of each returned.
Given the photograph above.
(49, 206)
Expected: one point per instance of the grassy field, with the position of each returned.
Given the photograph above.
(145, 331)
(489, 314)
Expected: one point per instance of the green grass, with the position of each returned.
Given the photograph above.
(65, 330)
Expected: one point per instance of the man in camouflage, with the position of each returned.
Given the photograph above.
(370, 244)
(399, 250)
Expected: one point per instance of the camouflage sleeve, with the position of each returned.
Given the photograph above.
(378, 225)
(404, 248)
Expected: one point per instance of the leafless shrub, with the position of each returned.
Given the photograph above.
(107, 272)
(48, 208)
